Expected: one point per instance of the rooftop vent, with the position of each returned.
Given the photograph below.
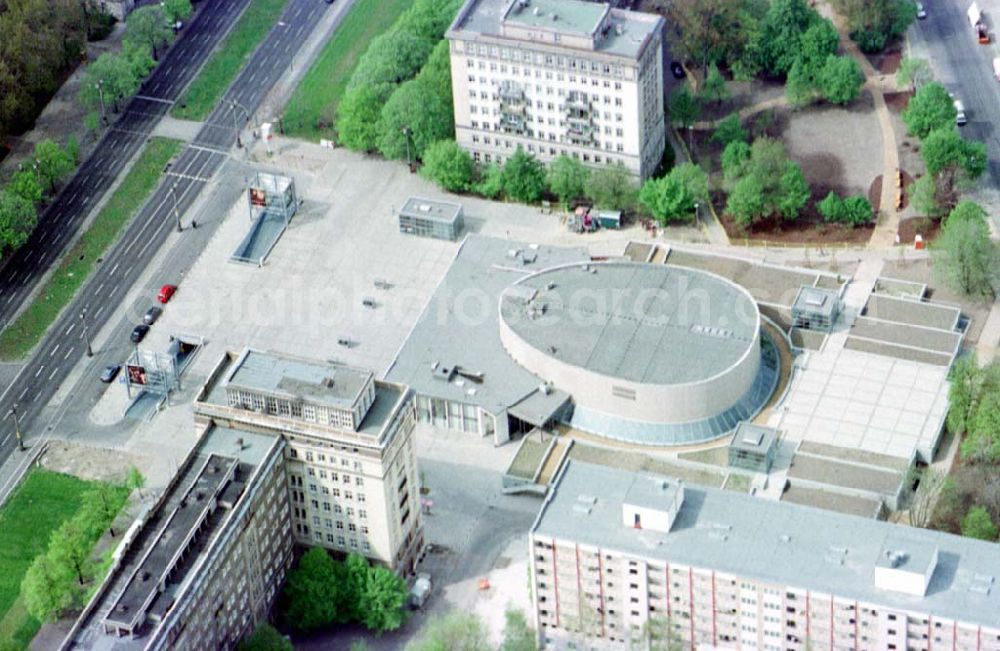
(981, 584)
(753, 437)
(785, 538)
(328, 382)
(545, 389)
(582, 509)
(536, 11)
(424, 207)
(619, 29)
(122, 608)
(895, 558)
(145, 575)
(240, 444)
(555, 17)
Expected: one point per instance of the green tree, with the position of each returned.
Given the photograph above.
(99, 507)
(925, 198)
(383, 601)
(310, 596)
(779, 41)
(24, 183)
(358, 116)
(713, 30)
(517, 634)
(177, 10)
(872, 23)
(414, 114)
(965, 256)
(612, 188)
(683, 107)
(840, 80)
(354, 579)
(148, 26)
(730, 129)
(135, 480)
(114, 77)
(929, 109)
(523, 177)
(746, 201)
(982, 443)
(47, 590)
(913, 73)
(735, 160)
(265, 638)
(800, 87)
(714, 89)
(793, 191)
(567, 179)
(818, 43)
(963, 393)
(455, 631)
(392, 58)
(54, 162)
(671, 198)
(490, 184)
(858, 211)
(428, 19)
(832, 208)
(18, 218)
(952, 161)
(70, 548)
(978, 524)
(449, 166)
(139, 61)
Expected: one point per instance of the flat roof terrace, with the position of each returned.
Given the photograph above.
(570, 16)
(333, 385)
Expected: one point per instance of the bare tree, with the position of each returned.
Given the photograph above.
(930, 481)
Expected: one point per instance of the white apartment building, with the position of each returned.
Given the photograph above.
(622, 560)
(558, 77)
(349, 456)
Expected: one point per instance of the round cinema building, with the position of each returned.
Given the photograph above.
(651, 354)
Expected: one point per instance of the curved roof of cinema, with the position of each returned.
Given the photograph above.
(645, 323)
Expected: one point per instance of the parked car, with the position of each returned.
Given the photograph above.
(677, 70)
(166, 292)
(420, 591)
(139, 332)
(151, 315)
(110, 372)
(921, 13)
(960, 118)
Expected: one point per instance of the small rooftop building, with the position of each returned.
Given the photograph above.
(731, 571)
(753, 447)
(442, 220)
(815, 308)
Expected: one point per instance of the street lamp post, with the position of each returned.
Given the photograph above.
(177, 213)
(236, 123)
(696, 214)
(100, 92)
(86, 334)
(406, 135)
(17, 427)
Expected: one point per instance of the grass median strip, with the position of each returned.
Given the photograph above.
(228, 59)
(19, 337)
(310, 113)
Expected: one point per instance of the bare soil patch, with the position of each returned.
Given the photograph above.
(927, 228)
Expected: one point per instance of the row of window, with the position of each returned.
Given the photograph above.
(539, 58)
(527, 73)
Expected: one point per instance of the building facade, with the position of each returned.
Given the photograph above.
(352, 471)
(202, 567)
(559, 77)
(620, 561)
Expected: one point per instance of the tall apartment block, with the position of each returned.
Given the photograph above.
(203, 566)
(624, 560)
(351, 468)
(558, 77)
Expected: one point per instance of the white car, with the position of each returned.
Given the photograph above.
(921, 13)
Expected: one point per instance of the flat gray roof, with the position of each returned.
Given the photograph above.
(753, 544)
(387, 397)
(653, 324)
(430, 209)
(459, 327)
(814, 300)
(912, 311)
(485, 18)
(753, 438)
(334, 385)
(567, 16)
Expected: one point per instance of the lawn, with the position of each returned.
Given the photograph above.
(310, 112)
(21, 336)
(228, 59)
(39, 506)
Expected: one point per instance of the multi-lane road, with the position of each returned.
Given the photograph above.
(60, 221)
(946, 39)
(100, 297)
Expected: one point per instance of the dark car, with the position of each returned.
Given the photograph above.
(139, 332)
(677, 70)
(151, 315)
(110, 372)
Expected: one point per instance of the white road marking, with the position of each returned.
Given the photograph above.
(70, 328)
(68, 353)
(39, 371)
(23, 391)
(53, 373)
(54, 350)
